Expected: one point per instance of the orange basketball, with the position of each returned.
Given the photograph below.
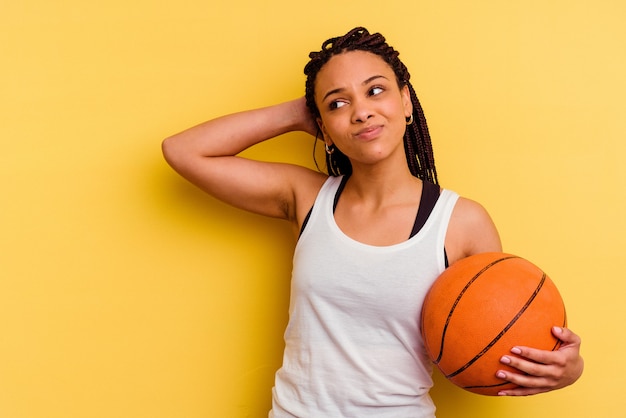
(480, 308)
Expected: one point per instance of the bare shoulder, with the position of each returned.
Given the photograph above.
(307, 184)
(471, 231)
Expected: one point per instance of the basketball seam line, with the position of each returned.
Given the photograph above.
(510, 324)
(556, 346)
(458, 299)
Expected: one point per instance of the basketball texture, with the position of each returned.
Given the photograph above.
(480, 308)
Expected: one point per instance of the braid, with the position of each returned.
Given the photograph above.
(417, 143)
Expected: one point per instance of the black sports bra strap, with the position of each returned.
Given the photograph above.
(342, 185)
(337, 194)
(430, 195)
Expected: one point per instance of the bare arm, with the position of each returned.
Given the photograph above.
(471, 231)
(206, 155)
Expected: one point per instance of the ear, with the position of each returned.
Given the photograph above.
(327, 139)
(406, 101)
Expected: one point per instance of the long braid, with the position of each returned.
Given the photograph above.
(423, 158)
(417, 143)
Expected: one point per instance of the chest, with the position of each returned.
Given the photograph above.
(379, 227)
(332, 272)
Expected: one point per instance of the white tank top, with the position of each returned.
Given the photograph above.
(352, 345)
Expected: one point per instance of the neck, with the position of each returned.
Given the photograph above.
(379, 185)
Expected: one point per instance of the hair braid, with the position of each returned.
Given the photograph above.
(417, 143)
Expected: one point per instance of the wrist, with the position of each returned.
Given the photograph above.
(300, 117)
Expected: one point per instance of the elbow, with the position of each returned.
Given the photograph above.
(180, 155)
(170, 150)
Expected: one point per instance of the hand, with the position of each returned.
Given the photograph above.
(306, 121)
(543, 370)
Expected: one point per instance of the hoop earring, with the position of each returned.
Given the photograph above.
(329, 150)
(409, 120)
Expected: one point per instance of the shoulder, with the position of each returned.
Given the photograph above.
(471, 231)
(306, 186)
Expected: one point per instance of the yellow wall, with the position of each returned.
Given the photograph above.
(125, 292)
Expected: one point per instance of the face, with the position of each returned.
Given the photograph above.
(362, 109)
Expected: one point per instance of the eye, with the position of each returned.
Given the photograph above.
(336, 104)
(375, 91)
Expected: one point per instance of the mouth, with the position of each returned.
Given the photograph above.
(368, 133)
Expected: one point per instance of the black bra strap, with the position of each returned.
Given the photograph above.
(337, 194)
(430, 194)
(342, 185)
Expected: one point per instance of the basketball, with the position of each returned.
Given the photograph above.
(481, 307)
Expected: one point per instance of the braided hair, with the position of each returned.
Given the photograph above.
(417, 143)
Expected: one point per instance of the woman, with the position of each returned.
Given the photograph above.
(373, 235)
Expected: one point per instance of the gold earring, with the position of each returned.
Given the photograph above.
(409, 120)
(329, 149)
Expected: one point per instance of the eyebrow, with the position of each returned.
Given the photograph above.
(369, 80)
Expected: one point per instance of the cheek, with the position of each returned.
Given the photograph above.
(333, 127)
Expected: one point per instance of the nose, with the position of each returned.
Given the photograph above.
(361, 111)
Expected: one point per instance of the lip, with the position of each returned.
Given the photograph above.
(368, 133)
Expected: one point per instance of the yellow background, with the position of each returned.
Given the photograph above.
(126, 292)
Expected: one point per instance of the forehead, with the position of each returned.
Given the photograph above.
(351, 67)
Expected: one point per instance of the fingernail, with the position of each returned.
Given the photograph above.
(501, 393)
(558, 330)
(516, 350)
(501, 375)
(505, 360)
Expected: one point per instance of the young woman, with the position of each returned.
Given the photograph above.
(373, 235)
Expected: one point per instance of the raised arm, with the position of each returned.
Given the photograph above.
(206, 155)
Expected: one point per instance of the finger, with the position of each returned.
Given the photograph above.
(567, 336)
(527, 359)
(522, 391)
(533, 383)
